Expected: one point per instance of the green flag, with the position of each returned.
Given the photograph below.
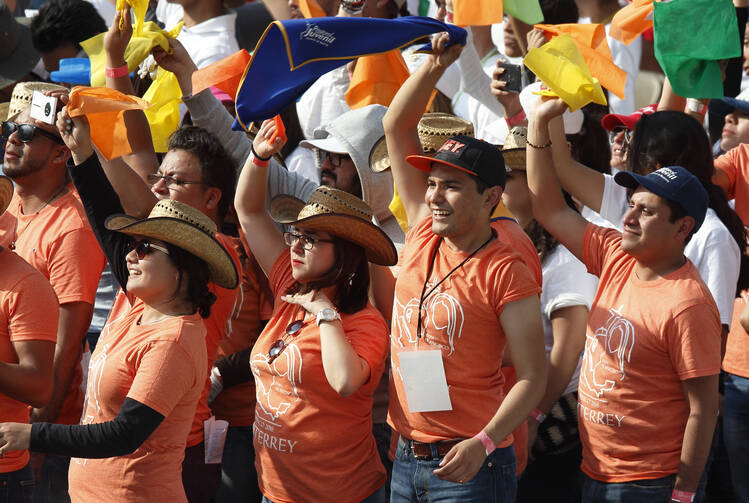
(527, 11)
(691, 36)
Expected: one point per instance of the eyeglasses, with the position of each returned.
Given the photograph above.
(26, 132)
(333, 158)
(615, 132)
(143, 247)
(170, 181)
(277, 347)
(308, 242)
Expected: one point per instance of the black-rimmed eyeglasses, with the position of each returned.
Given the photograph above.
(170, 181)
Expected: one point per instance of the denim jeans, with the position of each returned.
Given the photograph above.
(634, 491)
(53, 481)
(376, 497)
(736, 432)
(238, 475)
(414, 480)
(17, 486)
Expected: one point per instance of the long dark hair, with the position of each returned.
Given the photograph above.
(349, 274)
(196, 271)
(671, 138)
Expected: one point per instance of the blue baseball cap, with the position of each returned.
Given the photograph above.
(675, 184)
(741, 101)
(73, 71)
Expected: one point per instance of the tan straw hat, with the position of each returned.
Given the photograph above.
(514, 148)
(6, 193)
(4, 107)
(24, 91)
(340, 214)
(182, 225)
(434, 129)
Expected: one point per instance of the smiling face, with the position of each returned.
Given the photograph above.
(152, 278)
(312, 264)
(735, 130)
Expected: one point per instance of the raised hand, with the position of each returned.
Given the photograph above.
(116, 39)
(76, 134)
(260, 144)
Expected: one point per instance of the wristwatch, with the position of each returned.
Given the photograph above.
(327, 314)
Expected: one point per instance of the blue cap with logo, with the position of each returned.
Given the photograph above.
(675, 184)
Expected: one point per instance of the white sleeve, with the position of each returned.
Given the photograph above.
(613, 202)
(473, 79)
(566, 282)
(626, 57)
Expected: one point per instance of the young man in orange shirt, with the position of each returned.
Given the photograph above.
(461, 298)
(648, 392)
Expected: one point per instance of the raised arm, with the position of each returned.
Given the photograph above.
(265, 240)
(549, 207)
(401, 122)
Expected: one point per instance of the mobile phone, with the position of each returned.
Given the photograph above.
(512, 76)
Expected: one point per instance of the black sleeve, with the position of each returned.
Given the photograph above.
(132, 426)
(732, 84)
(100, 201)
(235, 368)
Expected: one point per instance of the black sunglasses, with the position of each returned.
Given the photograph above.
(143, 247)
(277, 347)
(26, 132)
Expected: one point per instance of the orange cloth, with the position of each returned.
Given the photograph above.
(376, 79)
(237, 404)
(736, 359)
(58, 242)
(631, 21)
(464, 322)
(735, 164)
(477, 12)
(225, 74)
(310, 8)
(590, 40)
(28, 312)
(311, 444)
(104, 108)
(644, 338)
(161, 365)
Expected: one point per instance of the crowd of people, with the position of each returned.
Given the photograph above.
(453, 286)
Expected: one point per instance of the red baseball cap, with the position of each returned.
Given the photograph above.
(610, 121)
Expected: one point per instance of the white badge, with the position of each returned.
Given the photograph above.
(424, 380)
(43, 107)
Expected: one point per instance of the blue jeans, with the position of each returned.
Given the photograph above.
(736, 432)
(634, 491)
(17, 486)
(414, 481)
(238, 475)
(376, 497)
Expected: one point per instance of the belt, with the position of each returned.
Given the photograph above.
(422, 450)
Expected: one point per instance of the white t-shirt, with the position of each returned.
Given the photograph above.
(566, 283)
(712, 249)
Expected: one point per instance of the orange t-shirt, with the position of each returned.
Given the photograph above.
(736, 359)
(58, 242)
(464, 323)
(28, 312)
(735, 164)
(311, 444)
(237, 404)
(218, 325)
(643, 339)
(162, 366)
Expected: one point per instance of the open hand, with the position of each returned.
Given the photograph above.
(313, 302)
(261, 145)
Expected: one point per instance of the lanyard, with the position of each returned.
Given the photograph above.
(429, 273)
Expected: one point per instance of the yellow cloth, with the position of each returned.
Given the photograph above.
(137, 50)
(310, 8)
(632, 20)
(398, 210)
(139, 11)
(165, 96)
(591, 42)
(104, 109)
(561, 67)
(477, 12)
(501, 211)
(376, 79)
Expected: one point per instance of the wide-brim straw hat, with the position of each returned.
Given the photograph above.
(514, 147)
(339, 214)
(4, 107)
(434, 129)
(23, 92)
(6, 193)
(182, 225)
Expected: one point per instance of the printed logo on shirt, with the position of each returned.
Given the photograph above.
(316, 34)
(275, 398)
(607, 354)
(441, 321)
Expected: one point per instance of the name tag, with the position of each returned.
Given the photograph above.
(424, 380)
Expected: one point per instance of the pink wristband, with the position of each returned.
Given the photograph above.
(117, 72)
(538, 416)
(682, 496)
(516, 119)
(488, 442)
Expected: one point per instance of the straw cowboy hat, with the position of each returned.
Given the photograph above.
(24, 91)
(182, 225)
(340, 214)
(433, 129)
(6, 193)
(513, 149)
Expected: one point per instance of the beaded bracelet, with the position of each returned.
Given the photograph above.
(545, 145)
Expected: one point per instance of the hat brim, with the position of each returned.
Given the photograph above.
(329, 144)
(515, 158)
(6, 193)
(379, 159)
(734, 103)
(186, 236)
(611, 121)
(424, 163)
(22, 60)
(377, 245)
